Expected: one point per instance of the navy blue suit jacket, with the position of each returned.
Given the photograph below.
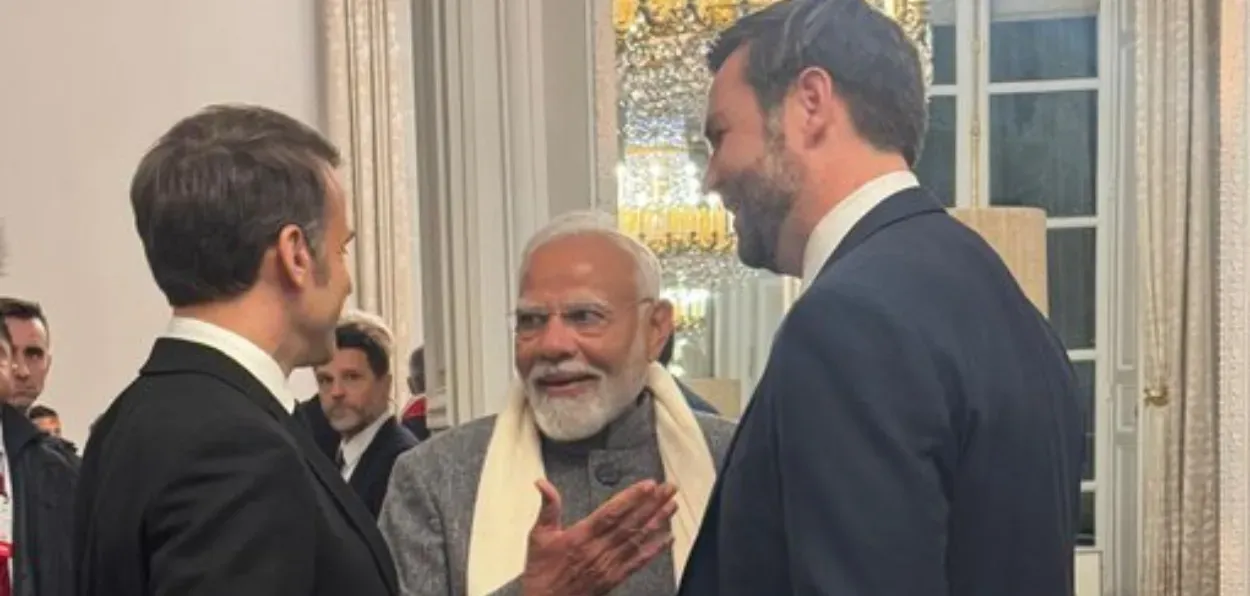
(917, 431)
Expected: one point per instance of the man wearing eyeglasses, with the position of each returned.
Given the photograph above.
(595, 475)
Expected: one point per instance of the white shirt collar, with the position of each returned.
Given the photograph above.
(836, 224)
(239, 349)
(354, 448)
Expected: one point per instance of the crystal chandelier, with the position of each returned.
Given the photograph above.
(661, 49)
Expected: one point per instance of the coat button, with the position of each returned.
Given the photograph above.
(608, 474)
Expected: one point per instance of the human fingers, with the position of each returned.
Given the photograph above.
(613, 513)
(551, 509)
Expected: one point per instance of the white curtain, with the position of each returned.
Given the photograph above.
(367, 117)
(1175, 189)
(743, 321)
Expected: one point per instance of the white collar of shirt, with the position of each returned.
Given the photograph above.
(239, 349)
(836, 224)
(354, 448)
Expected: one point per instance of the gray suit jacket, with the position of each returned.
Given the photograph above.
(428, 512)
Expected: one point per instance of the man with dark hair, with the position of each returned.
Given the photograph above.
(46, 419)
(917, 429)
(414, 417)
(37, 481)
(355, 395)
(197, 479)
(32, 354)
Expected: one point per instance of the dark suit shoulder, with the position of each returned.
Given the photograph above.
(183, 414)
(718, 431)
(400, 438)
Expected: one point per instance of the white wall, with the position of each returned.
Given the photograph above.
(86, 87)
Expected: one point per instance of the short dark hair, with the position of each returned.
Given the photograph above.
(416, 370)
(356, 336)
(39, 411)
(213, 193)
(874, 66)
(26, 310)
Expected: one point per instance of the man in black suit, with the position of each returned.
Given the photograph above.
(197, 479)
(37, 477)
(354, 391)
(917, 429)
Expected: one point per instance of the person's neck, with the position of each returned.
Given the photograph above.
(259, 323)
(825, 189)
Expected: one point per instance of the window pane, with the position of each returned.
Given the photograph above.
(1071, 265)
(936, 167)
(1085, 381)
(1043, 151)
(1085, 533)
(943, 43)
(1043, 49)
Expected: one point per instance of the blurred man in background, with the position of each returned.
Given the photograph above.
(354, 391)
(415, 414)
(32, 353)
(46, 419)
(37, 482)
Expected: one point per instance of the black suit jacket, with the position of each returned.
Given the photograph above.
(917, 431)
(43, 474)
(373, 471)
(197, 482)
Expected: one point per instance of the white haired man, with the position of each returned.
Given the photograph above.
(572, 489)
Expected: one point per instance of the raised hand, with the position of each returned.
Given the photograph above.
(600, 552)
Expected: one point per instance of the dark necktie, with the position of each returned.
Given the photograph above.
(339, 463)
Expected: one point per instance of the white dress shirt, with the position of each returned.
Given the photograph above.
(254, 360)
(836, 224)
(352, 449)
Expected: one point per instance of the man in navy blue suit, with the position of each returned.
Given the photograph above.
(917, 430)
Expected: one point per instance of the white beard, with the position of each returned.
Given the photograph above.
(566, 419)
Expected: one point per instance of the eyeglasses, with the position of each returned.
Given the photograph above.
(588, 320)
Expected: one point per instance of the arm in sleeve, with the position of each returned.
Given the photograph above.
(237, 519)
(861, 423)
(412, 526)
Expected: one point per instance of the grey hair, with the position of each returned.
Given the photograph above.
(370, 324)
(598, 223)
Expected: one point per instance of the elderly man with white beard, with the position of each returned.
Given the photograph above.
(594, 477)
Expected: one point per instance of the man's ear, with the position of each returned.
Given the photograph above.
(295, 263)
(660, 324)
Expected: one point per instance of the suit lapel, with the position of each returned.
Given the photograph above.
(174, 355)
(347, 501)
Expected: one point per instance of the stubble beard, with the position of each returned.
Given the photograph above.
(764, 194)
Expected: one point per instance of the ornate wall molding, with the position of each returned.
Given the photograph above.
(1234, 299)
